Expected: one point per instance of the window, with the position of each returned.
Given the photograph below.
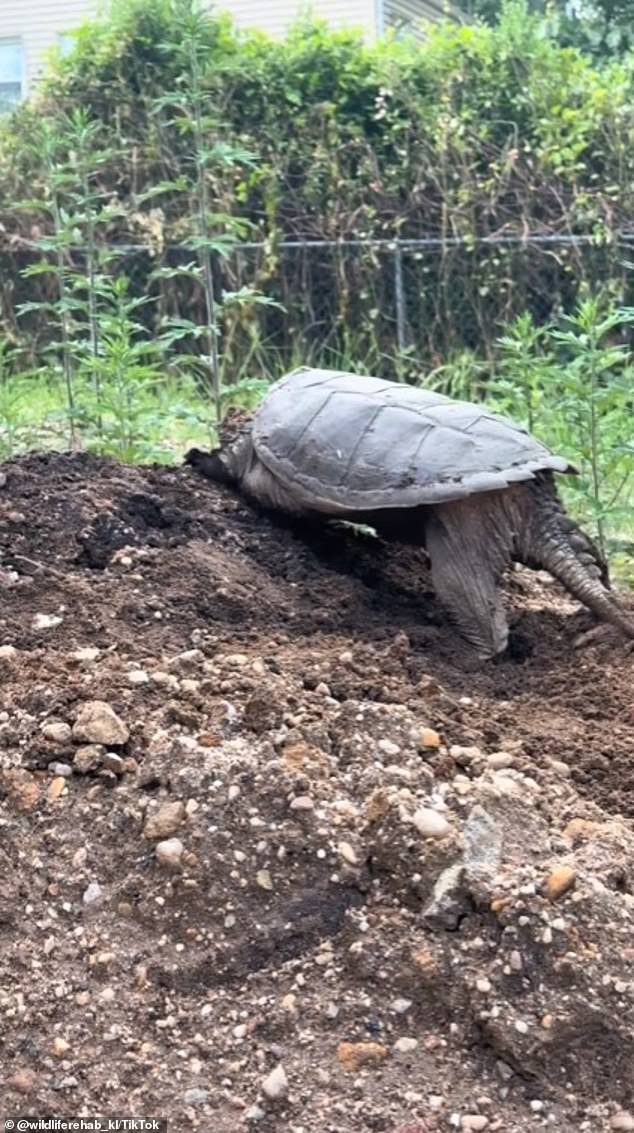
(11, 73)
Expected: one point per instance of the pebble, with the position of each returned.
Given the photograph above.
(164, 822)
(302, 802)
(483, 985)
(61, 769)
(473, 1122)
(24, 1081)
(465, 755)
(8, 652)
(46, 621)
(169, 853)
(255, 1113)
(57, 731)
(430, 823)
(429, 738)
(275, 1085)
(86, 655)
(195, 1096)
(353, 1056)
(500, 759)
(59, 1047)
(405, 1045)
(401, 1005)
(138, 677)
(92, 894)
(87, 758)
(561, 768)
(559, 881)
(113, 762)
(57, 786)
(346, 851)
(622, 1121)
(388, 747)
(98, 723)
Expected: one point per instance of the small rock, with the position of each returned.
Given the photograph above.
(275, 1085)
(622, 1121)
(169, 853)
(59, 1047)
(22, 790)
(559, 881)
(8, 652)
(92, 894)
(430, 823)
(57, 731)
(165, 822)
(405, 1045)
(98, 723)
(580, 830)
(56, 787)
(46, 621)
(264, 880)
(24, 1081)
(561, 768)
(388, 747)
(353, 1056)
(400, 1005)
(113, 762)
(138, 677)
(465, 756)
(195, 1096)
(302, 802)
(473, 1122)
(347, 852)
(429, 738)
(255, 1113)
(499, 759)
(86, 655)
(61, 769)
(87, 758)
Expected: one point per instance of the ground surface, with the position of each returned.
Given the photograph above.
(305, 871)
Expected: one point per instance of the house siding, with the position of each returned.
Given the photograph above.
(276, 16)
(37, 23)
(412, 14)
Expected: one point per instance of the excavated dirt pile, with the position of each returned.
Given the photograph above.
(273, 856)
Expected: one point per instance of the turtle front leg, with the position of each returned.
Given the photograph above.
(469, 549)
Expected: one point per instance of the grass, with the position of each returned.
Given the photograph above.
(168, 419)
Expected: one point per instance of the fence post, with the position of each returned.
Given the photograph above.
(399, 295)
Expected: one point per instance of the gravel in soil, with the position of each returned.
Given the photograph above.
(276, 856)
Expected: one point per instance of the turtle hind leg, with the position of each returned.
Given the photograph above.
(469, 547)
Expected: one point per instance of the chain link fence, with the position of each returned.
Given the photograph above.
(346, 301)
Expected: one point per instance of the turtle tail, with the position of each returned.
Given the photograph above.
(555, 543)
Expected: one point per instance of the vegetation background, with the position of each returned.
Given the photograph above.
(188, 211)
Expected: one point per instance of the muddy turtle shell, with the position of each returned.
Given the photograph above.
(343, 442)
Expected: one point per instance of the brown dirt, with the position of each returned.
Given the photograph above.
(307, 656)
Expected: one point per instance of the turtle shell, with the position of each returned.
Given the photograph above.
(350, 443)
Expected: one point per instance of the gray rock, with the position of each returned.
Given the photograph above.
(98, 723)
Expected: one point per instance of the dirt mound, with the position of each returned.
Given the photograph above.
(389, 892)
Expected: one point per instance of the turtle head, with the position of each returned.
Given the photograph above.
(214, 465)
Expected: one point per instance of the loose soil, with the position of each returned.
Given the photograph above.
(301, 693)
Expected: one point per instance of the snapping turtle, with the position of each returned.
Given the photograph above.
(473, 488)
